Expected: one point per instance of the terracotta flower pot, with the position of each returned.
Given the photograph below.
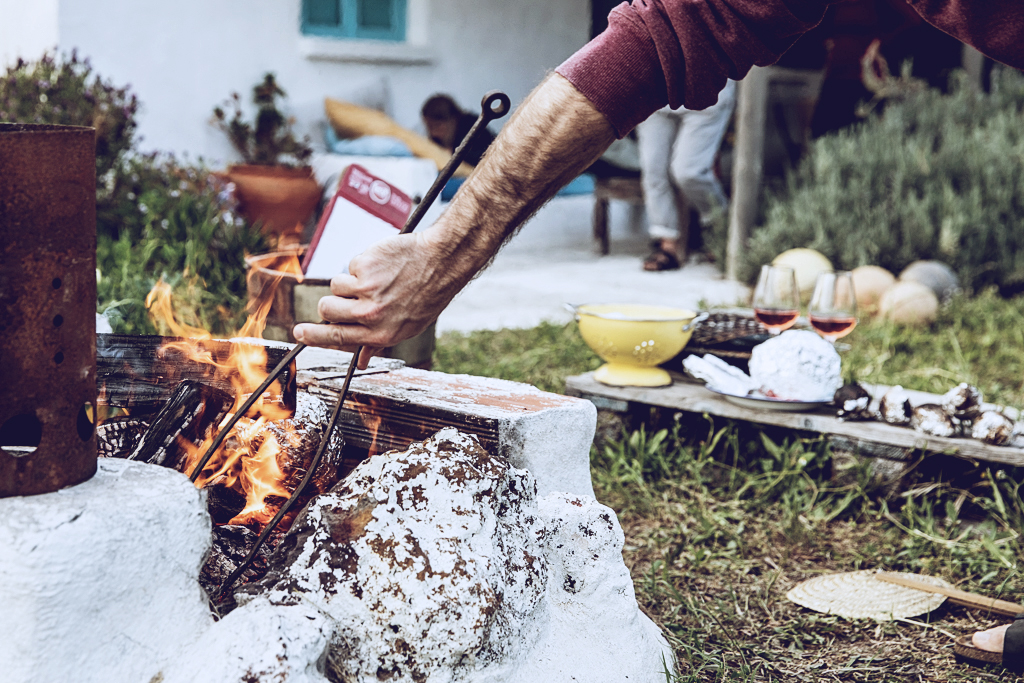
(280, 198)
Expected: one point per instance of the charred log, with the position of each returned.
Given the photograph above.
(298, 439)
(193, 409)
(223, 502)
(231, 543)
(140, 371)
(117, 437)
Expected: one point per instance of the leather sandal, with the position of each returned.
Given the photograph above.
(1012, 656)
(661, 259)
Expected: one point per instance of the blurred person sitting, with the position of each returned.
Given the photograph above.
(447, 125)
(677, 157)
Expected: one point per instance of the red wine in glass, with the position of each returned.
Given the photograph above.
(776, 319)
(833, 310)
(833, 328)
(776, 298)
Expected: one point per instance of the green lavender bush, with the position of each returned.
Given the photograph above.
(932, 177)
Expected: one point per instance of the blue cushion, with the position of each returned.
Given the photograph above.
(367, 146)
(583, 184)
(450, 188)
(580, 185)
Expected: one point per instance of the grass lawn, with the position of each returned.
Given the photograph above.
(722, 519)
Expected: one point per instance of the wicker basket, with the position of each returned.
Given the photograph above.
(722, 327)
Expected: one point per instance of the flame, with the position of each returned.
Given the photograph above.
(247, 460)
(371, 420)
(261, 478)
(160, 304)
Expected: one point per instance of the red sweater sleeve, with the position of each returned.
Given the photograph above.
(995, 27)
(679, 52)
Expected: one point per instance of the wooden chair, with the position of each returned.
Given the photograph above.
(625, 189)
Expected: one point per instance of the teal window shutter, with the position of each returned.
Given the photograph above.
(360, 19)
(322, 17)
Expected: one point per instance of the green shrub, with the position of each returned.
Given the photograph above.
(180, 227)
(933, 177)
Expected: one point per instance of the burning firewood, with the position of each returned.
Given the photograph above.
(139, 371)
(266, 460)
(193, 409)
(223, 501)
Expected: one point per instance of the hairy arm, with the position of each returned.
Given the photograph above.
(396, 288)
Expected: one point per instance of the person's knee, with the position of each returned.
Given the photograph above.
(657, 184)
(693, 180)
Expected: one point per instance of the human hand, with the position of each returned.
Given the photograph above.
(393, 291)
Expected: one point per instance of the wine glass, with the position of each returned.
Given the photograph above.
(776, 298)
(833, 310)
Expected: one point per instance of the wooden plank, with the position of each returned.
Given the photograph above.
(370, 420)
(973, 63)
(955, 595)
(136, 371)
(373, 420)
(694, 398)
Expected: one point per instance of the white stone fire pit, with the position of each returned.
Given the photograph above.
(438, 563)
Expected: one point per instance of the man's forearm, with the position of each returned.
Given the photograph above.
(398, 286)
(553, 136)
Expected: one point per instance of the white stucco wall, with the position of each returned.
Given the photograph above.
(26, 28)
(182, 58)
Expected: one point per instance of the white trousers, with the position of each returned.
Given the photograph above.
(677, 153)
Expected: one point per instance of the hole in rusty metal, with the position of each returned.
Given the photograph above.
(58, 357)
(85, 422)
(58, 320)
(57, 283)
(21, 434)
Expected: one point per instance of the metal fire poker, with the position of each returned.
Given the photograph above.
(494, 106)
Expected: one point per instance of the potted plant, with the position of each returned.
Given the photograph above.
(275, 186)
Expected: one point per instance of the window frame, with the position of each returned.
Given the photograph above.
(351, 29)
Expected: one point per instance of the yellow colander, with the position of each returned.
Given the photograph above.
(634, 339)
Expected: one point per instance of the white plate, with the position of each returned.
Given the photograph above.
(768, 403)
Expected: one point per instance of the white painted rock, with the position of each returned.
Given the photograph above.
(807, 264)
(797, 365)
(869, 283)
(909, 303)
(437, 564)
(591, 604)
(99, 581)
(935, 275)
(994, 428)
(259, 641)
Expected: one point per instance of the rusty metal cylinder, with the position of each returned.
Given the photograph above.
(47, 307)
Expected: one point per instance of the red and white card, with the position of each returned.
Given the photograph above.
(364, 210)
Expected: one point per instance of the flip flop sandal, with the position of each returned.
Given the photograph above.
(660, 259)
(1012, 656)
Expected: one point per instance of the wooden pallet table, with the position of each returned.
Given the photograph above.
(868, 438)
